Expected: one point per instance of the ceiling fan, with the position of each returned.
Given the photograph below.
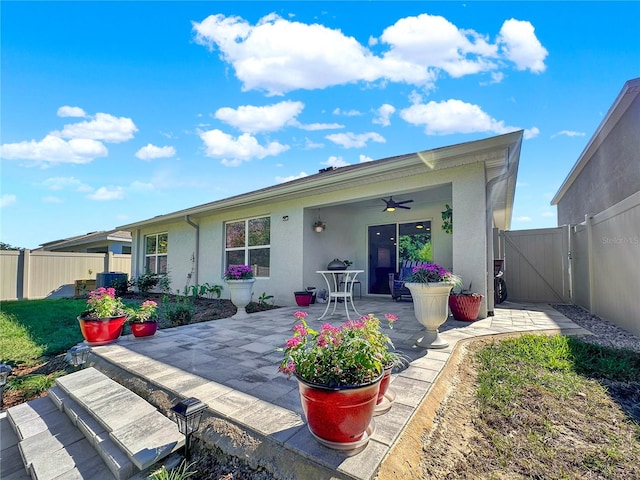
(392, 204)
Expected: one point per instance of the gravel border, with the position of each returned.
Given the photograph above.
(604, 332)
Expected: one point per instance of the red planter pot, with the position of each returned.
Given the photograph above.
(101, 331)
(465, 307)
(303, 299)
(384, 384)
(144, 329)
(338, 415)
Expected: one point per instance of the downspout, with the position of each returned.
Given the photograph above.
(489, 189)
(197, 249)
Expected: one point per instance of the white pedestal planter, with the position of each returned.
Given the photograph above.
(240, 291)
(431, 308)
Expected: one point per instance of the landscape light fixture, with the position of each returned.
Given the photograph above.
(78, 355)
(188, 413)
(5, 370)
(419, 225)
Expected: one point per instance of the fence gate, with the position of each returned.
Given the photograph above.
(536, 265)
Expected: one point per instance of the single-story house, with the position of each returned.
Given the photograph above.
(114, 241)
(272, 229)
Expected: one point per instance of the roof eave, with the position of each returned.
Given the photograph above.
(625, 98)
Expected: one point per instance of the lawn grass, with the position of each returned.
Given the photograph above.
(545, 405)
(30, 329)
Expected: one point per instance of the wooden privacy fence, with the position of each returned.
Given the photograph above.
(27, 274)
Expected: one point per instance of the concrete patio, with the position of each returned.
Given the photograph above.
(255, 413)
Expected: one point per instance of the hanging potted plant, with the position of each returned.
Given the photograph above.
(144, 322)
(319, 226)
(465, 304)
(339, 370)
(240, 280)
(430, 285)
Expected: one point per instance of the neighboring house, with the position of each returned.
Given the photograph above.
(272, 228)
(608, 170)
(114, 241)
(600, 201)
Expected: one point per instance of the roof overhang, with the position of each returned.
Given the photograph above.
(500, 155)
(625, 98)
(102, 236)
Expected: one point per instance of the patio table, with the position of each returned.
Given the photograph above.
(333, 282)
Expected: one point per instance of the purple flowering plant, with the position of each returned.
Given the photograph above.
(354, 353)
(238, 272)
(432, 273)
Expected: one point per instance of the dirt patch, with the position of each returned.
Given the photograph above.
(590, 435)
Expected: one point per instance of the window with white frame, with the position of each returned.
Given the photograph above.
(248, 242)
(155, 254)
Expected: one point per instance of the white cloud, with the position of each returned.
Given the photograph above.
(347, 113)
(141, 186)
(520, 45)
(107, 193)
(52, 199)
(320, 126)
(336, 162)
(364, 159)
(150, 152)
(548, 214)
(432, 41)
(453, 116)
(67, 111)
(530, 133)
(252, 119)
(309, 144)
(53, 150)
(7, 199)
(383, 113)
(63, 183)
(291, 177)
(233, 151)
(279, 55)
(103, 127)
(353, 140)
(496, 77)
(568, 133)
(523, 219)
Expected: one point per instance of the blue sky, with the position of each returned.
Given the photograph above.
(114, 112)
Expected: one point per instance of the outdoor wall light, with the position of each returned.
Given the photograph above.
(188, 414)
(5, 370)
(78, 355)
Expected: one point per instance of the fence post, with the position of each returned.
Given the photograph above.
(26, 267)
(592, 287)
(108, 262)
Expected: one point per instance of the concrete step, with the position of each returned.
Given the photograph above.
(50, 446)
(89, 426)
(136, 426)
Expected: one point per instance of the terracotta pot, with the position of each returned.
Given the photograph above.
(144, 329)
(339, 416)
(465, 307)
(101, 331)
(303, 299)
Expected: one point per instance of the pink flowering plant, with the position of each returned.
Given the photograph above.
(104, 303)
(238, 272)
(354, 353)
(432, 273)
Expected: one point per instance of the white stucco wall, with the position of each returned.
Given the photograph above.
(297, 251)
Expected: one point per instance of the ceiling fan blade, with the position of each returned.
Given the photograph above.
(404, 201)
(402, 206)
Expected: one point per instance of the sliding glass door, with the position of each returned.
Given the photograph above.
(390, 244)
